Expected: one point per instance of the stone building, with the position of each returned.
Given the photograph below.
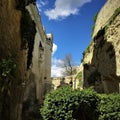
(40, 70)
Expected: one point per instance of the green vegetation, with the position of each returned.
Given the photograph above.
(116, 13)
(28, 29)
(109, 107)
(79, 76)
(101, 32)
(7, 72)
(88, 48)
(68, 104)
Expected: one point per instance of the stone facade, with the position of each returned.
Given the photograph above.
(40, 71)
(102, 60)
(68, 80)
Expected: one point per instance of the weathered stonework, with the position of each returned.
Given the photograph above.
(40, 71)
(102, 62)
(10, 45)
(68, 80)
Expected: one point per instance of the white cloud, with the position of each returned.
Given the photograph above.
(54, 49)
(65, 8)
(41, 3)
(57, 70)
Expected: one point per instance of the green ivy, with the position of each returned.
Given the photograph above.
(109, 107)
(7, 72)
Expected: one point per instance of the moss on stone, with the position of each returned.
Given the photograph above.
(115, 14)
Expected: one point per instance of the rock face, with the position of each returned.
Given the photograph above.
(102, 60)
(10, 46)
(25, 63)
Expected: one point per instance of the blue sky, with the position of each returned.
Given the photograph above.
(71, 22)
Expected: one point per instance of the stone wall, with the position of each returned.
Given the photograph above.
(105, 13)
(68, 80)
(40, 71)
(101, 63)
(10, 46)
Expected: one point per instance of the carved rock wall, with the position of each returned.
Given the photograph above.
(10, 45)
(102, 69)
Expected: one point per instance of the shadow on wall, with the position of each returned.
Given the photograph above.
(101, 73)
(31, 105)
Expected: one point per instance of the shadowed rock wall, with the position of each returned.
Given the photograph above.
(102, 61)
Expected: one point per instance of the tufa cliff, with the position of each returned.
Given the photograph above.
(101, 62)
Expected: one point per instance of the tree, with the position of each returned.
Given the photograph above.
(68, 64)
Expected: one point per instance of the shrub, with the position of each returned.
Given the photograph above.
(68, 104)
(8, 68)
(109, 107)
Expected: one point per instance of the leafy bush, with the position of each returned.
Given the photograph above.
(68, 104)
(109, 107)
(7, 72)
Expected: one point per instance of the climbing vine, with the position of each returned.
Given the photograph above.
(7, 72)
